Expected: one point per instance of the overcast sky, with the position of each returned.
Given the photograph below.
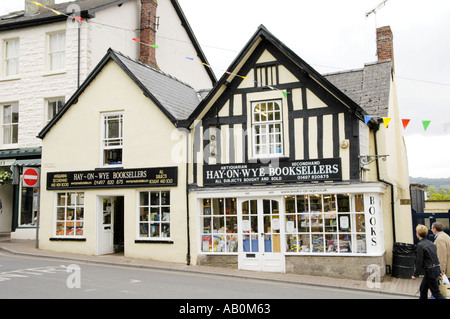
(334, 35)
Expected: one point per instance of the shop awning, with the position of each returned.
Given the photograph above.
(15, 167)
(27, 162)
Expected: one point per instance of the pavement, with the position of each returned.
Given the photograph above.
(389, 285)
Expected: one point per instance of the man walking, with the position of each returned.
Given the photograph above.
(428, 263)
(442, 242)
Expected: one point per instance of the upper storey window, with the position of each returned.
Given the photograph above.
(267, 128)
(112, 138)
(57, 51)
(11, 58)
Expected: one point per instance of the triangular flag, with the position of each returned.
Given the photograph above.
(425, 124)
(367, 118)
(386, 121)
(405, 123)
(285, 94)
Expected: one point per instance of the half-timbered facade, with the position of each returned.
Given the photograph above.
(279, 178)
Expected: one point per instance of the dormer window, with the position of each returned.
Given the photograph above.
(267, 129)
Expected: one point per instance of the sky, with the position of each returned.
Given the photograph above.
(332, 36)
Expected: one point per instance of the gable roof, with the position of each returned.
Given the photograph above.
(368, 88)
(177, 100)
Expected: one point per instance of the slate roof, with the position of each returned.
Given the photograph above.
(176, 97)
(177, 100)
(87, 8)
(369, 87)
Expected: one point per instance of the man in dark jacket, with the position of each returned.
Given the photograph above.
(427, 263)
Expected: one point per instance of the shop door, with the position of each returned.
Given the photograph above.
(105, 242)
(260, 235)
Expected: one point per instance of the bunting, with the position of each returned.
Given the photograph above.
(367, 118)
(405, 122)
(57, 12)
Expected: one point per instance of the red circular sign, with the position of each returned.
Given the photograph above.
(30, 177)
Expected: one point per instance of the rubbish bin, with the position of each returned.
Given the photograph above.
(403, 260)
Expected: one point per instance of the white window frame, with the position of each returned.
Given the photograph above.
(115, 143)
(147, 215)
(59, 51)
(218, 225)
(51, 113)
(10, 57)
(11, 125)
(264, 144)
(72, 209)
(351, 239)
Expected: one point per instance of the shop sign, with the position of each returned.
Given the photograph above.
(283, 172)
(114, 178)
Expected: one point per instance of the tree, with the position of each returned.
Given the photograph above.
(433, 194)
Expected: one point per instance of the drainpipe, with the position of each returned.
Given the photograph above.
(188, 255)
(381, 180)
(79, 53)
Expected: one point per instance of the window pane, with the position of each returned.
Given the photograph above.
(154, 214)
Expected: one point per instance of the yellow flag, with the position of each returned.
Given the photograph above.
(386, 121)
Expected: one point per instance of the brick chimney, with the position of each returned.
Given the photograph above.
(147, 54)
(31, 8)
(385, 44)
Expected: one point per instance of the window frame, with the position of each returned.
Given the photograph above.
(6, 59)
(11, 125)
(80, 223)
(269, 144)
(51, 53)
(104, 140)
(347, 239)
(146, 208)
(211, 210)
(60, 99)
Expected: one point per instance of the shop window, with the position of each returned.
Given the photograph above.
(28, 206)
(219, 225)
(267, 129)
(70, 214)
(154, 215)
(112, 138)
(333, 223)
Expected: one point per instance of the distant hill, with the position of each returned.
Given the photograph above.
(438, 183)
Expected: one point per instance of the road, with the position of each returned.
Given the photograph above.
(44, 278)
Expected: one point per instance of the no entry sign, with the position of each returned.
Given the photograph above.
(31, 177)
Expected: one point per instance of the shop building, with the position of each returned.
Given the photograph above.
(287, 174)
(109, 179)
(276, 169)
(46, 56)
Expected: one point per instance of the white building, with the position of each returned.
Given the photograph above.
(45, 56)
